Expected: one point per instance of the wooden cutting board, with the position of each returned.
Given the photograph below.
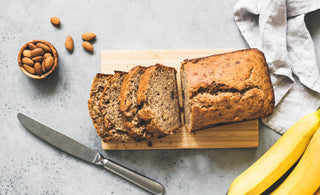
(233, 135)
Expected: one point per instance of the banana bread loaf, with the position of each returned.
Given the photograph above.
(226, 88)
(158, 102)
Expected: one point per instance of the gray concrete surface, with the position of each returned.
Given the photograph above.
(30, 166)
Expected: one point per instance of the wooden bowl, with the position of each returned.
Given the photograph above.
(54, 55)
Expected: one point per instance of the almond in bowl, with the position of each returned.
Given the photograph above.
(38, 59)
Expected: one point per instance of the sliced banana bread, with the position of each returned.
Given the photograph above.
(158, 102)
(109, 104)
(128, 103)
(226, 88)
(97, 87)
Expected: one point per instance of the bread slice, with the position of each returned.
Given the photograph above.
(158, 102)
(97, 87)
(226, 88)
(109, 104)
(129, 105)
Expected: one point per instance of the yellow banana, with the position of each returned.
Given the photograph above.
(317, 192)
(278, 159)
(305, 177)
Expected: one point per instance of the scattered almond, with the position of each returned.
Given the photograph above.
(29, 69)
(87, 46)
(55, 21)
(31, 46)
(44, 47)
(37, 59)
(37, 52)
(27, 61)
(88, 36)
(38, 69)
(27, 53)
(69, 44)
(48, 62)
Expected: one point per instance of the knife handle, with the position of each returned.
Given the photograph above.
(137, 179)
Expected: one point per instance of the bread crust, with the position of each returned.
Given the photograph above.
(124, 104)
(144, 84)
(242, 73)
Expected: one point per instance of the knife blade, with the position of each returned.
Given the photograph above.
(82, 152)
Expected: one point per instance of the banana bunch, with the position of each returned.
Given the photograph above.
(301, 141)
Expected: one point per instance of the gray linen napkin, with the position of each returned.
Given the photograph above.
(277, 28)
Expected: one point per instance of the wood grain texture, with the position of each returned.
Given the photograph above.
(233, 135)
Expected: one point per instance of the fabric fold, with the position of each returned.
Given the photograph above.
(278, 29)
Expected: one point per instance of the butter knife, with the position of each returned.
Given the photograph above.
(82, 152)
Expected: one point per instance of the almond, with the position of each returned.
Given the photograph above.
(43, 67)
(87, 46)
(37, 52)
(69, 44)
(46, 55)
(27, 61)
(48, 62)
(55, 21)
(44, 47)
(38, 69)
(29, 69)
(31, 46)
(88, 36)
(27, 53)
(37, 59)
